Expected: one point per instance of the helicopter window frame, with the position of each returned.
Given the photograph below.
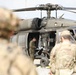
(75, 31)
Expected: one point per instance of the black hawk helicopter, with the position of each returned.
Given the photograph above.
(46, 30)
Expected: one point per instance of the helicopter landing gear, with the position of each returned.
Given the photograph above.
(44, 62)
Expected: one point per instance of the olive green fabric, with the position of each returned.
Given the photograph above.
(32, 49)
(13, 61)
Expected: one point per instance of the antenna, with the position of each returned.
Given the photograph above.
(56, 14)
(41, 14)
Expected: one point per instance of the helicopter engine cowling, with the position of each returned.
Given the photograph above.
(34, 24)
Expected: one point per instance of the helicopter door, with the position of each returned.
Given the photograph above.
(52, 39)
(22, 41)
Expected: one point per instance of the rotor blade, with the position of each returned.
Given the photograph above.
(71, 11)
(26, 9)
(30, 9)
(48, 6)
(40, 7)
(68, 8)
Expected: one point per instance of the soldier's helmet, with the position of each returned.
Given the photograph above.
(8, 20)
(65, 32)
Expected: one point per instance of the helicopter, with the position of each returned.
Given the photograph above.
(45, 29)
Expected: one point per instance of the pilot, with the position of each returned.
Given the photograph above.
(63, 56)
(12, 59)
(32, 47)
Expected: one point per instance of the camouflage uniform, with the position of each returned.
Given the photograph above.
(63, 57)
(12, 59)
(32, 47)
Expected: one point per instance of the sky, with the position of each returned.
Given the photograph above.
(16, 4)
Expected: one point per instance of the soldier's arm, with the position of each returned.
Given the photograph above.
(75, 62)
(52, 59)
(52, 55)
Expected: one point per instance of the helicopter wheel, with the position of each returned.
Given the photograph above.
(44, 61)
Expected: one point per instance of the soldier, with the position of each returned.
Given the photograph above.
(12, 60)
(63, 56)
(32, 47)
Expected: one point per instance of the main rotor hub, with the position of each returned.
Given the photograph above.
(49, 6)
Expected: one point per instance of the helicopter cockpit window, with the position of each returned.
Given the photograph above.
(75, 34)
(72, 32)
(75, 31)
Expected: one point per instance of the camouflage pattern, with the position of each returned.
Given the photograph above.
(32, 49)
(63, 58)
(8, 20)
(12, 59)
(65, 32)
